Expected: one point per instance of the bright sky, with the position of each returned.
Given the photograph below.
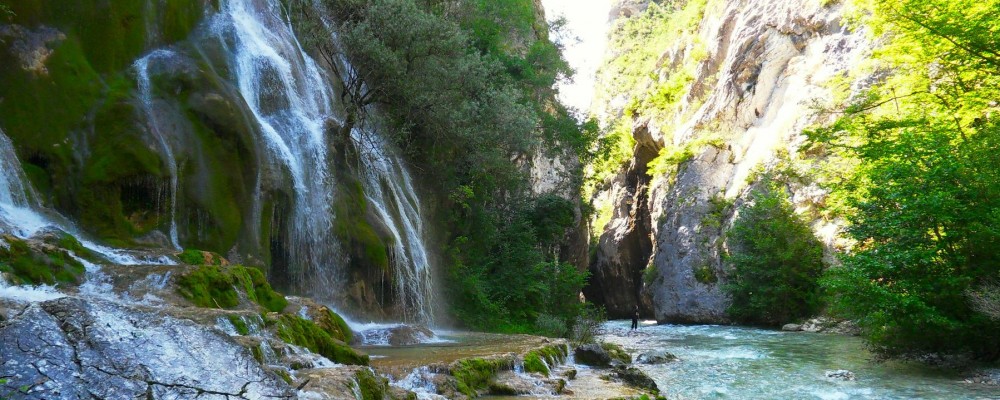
(585, 41)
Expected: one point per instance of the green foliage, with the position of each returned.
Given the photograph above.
(305, 333)
(637, 44)
(551, 326)
(37, 265)
(776, 261)
(588, 324)
(705, 274)
(923, 195)
(468, 91)
(670, 158)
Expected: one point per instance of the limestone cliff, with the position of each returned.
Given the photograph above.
(755, 72)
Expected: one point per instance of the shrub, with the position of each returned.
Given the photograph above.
(776, 261)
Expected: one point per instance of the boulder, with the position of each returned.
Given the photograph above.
(406, 335)
(593, 355)
(791, 327)
(840, 374)
(656, 357)
(634, 377)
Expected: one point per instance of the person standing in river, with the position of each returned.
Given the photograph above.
(635, 319)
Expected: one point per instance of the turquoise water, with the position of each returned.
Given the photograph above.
(723, 362)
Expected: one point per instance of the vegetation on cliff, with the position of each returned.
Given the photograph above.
(922, 201)
(467, 89)
(776, 261)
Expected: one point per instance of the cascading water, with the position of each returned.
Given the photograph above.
(290, 97)
(389, 190)
(17, 216)
(146, 96)
(21, 217)
(290, 100)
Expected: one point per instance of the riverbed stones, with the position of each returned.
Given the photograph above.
(406, 335)
(592, 354)
(634, 377)
(791, 327)
(656, 357)
(840, 374)
(824, 324)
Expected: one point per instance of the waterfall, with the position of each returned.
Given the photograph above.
(290, 97)
(146, 96)
(389, 190)
(17, 215)
(290, 100)
(21, 216)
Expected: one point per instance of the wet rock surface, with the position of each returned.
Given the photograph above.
(840, 374)
(74, 348)
(656, 357)
(634, 377)
(593, 355)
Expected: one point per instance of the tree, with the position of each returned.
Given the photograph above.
(923, 200)
(776, 261)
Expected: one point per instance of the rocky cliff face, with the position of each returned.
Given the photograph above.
(768, 63)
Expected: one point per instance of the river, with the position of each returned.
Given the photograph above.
(726, 362)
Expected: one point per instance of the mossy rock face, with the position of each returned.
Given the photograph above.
(617, 352)
(334, 324)
(239, 324)
(209, 286)
(199, 257)
(113, 33)
(352, 225)
(475, 374)
(37, 265)
(541, 360)
(371, 386)
(296, 330)
(214, 286)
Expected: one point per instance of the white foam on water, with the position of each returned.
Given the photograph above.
(28, 294)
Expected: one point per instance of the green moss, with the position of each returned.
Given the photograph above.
(215, 180)
(36, 266)
(352, 227)
(705, 274)
(305, 333)
(239, 324)
(335, 325)
(198, 257)
(217, 286)
(258, 354)
(617, 352)
(371, 386)
(209, 286)
(113, 33)
(283, 374)
(476, 373)
(258, 290)
(539, 360)
(533, 363)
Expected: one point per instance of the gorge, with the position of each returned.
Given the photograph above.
(387, 199)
